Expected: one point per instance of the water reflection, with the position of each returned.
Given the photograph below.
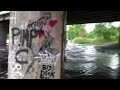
(3, 62)
(83, 62)
(88, 62)
(114, 61)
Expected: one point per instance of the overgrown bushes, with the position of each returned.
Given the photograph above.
(101, 34)
(96, 40)
(81, 40)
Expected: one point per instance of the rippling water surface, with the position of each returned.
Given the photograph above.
(82, 62)
(3, 62)
(92, 62)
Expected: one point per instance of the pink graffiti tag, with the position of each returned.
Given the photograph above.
(47, 28)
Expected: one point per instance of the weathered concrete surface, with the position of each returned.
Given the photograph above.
(4, 15)
(49, 43)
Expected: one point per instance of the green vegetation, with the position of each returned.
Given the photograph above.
(7, 36)
(102, 33)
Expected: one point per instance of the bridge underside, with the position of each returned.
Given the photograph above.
(4, 30)
(4, 26)
(73, 17)
(82, 17)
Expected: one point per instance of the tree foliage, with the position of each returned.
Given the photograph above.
(74, 31)
(102, 33)
(101, 30)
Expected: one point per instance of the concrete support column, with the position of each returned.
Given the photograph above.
(35, 49)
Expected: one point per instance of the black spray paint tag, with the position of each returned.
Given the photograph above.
(46, 71)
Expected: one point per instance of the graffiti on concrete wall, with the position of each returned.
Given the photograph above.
(33, 45)
(13, 65)
(47, 71)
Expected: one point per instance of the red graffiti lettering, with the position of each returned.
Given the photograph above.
(40, 33)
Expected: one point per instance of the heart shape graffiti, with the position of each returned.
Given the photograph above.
(52, 23)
